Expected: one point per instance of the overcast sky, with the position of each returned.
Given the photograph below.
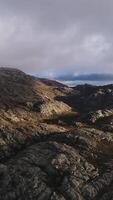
(53, 36)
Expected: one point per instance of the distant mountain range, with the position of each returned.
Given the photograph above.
(85, 77)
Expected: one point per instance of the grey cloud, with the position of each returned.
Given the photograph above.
(41, 35)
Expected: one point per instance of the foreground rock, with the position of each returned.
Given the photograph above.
(46, 170)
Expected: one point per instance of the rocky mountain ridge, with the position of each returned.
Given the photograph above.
(56, 142)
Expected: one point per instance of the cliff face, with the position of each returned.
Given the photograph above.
(56, 142)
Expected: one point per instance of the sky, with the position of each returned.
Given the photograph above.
(57, 36)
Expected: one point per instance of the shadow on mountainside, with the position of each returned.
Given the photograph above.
(86, 98)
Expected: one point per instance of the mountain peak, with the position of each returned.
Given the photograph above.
(10, 71)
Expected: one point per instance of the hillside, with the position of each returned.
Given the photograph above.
(56, 142)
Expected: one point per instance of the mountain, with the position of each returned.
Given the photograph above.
(56, 142)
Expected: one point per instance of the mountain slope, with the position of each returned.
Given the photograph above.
(56, 142)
